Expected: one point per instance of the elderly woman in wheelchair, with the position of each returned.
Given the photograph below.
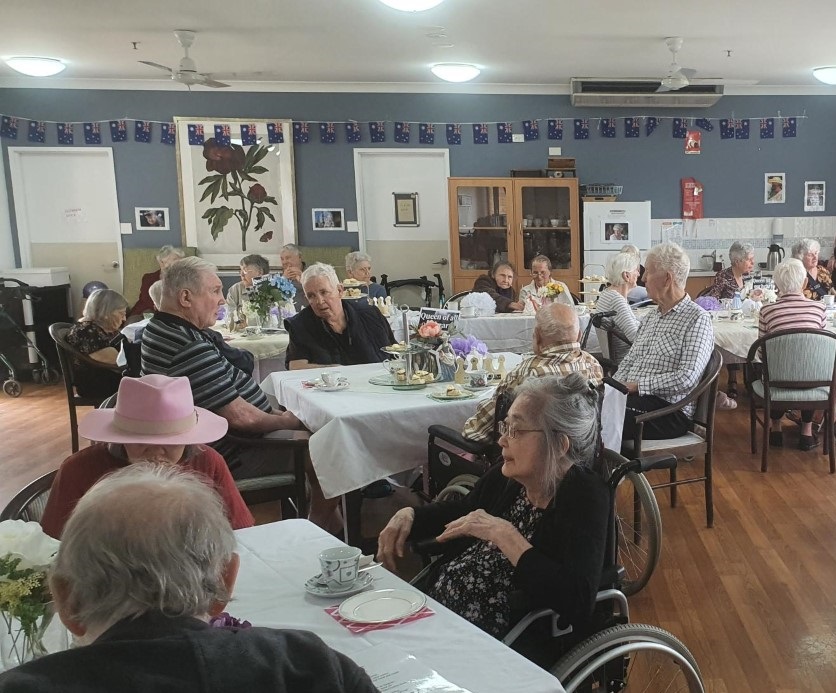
(536, 522)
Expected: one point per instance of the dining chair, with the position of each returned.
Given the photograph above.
(792, 369)
(67, 357)
(699, 440)
(608, 337)
(29, 503)
(453, 302)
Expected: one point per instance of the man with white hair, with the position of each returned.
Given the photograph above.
(146, 558)
(671, 350)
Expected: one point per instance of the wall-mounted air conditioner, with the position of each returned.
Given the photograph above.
(640, 93)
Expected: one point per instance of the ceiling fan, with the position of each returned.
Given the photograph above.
(677, 77)
(186, 72)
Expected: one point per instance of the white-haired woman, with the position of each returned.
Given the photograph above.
(537, 521)
(144, 304)
(358, 266)
(729, 280)
(97, 336)
(622, 271)
(541, 274)
(819, 282)
(792, 311)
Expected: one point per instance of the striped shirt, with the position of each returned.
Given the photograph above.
(624, 320)
(792, 311)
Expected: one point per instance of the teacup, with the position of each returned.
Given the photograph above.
(554, 222)
(339, 566)
(478, 378)
(538, 222)
(330, 378)
(828, 299)
(394, 365)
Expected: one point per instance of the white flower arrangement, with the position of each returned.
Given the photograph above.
(483, 303)
(767, 294)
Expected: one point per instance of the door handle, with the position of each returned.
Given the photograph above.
(443, 262)
(115, 264)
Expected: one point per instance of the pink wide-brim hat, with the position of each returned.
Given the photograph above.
(154, 409)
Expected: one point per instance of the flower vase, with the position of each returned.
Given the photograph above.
(259, 321)
(19, 644)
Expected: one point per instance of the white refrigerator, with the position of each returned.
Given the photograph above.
(608, 226)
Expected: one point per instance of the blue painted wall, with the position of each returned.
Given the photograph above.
(648, 167)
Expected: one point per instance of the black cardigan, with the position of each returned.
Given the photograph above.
(311, 339)
(485, 283)
(562, 570)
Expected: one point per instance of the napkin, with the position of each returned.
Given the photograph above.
(334, 612)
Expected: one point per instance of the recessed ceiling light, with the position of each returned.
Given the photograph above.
(455, 72)
(825, 74)
(36, 67)
(412, 5)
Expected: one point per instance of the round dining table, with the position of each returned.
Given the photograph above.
(268, 349)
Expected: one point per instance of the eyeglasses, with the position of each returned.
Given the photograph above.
(511, 431)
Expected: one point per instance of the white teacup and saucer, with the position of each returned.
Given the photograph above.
(340, 575)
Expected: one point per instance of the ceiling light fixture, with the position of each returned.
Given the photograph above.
(455, 72)
(825, 74)
(412, 5)
(36, 67)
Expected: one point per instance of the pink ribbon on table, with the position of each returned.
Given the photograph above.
(334, 612)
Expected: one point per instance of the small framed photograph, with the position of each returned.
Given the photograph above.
(406, 209)
(774, 188)
(152, 218)
(814, 196)
(615, 231)
(327, 219)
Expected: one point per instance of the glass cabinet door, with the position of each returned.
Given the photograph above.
(482, 222)
(545, 214)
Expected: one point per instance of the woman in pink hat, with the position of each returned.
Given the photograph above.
(154, 420)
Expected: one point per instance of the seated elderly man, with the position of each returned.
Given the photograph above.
(146, 559)
(671, 350)
(292, 267)
(334, 331)
(499, 285)
(175, 343)
(557, 351)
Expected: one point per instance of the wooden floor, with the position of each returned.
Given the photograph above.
(754, 598)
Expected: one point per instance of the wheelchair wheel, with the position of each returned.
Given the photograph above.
(631, 657)
(12, 388)
(458, 487)
(639, 526)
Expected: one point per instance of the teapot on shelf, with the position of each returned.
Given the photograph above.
(776, 254)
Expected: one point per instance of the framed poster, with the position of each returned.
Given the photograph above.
(814, 196)
(615, 231)
(773, 188)
(328, 219)
(406, 209)
(152, 218)
(236, 198)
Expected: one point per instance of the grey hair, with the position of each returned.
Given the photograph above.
(320, 269)
(739, 252)
(804, 246)
(155, 293)
(562, 406)
(167, 251)
(355, 258)
(257, 261)
(541, 258)
(292, 248)
(145, 538)
(618, 264)
(186, 273)
(630, 248)
(670, 257)
(557, 323)
(102, 303)
(789, 276)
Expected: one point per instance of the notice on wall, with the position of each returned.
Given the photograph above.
(74, 215)
(673, 231)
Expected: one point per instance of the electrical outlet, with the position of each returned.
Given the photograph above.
(555, 151)
(517, 137)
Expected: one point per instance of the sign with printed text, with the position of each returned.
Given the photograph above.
(443, 317)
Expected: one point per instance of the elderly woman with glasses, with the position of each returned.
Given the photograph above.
(536, 522)
(251, 267)
(541, 274)
(819, 282)
(358, 266)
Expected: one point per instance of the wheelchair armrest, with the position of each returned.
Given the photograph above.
(452, 436)
(286, 439)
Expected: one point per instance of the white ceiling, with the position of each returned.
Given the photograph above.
(524, 46)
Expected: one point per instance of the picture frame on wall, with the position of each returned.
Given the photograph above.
(328, 219)
(406, 209)
(615, 232)
(152, 218)
(774, 188)
(814, 195)
(236, 198)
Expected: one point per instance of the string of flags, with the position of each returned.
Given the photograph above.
(402, 131)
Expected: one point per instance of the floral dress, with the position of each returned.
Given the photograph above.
(476, 584)
(820, 285)
(88, 338)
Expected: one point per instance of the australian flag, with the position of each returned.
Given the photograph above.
(581, 128)
(119, 131)
(631, 127)
(650, 124)
(454, 133)
(300, 133)
(377, 131)
(327, 133)
(249, 136)
(65, 133)
(480, 133)
(195, 133)
(92, 133)
(726, 129)
(402, 132)
(426, 133)
(223, 135)
(352, 132)
(767, 128)
(8, 127)
(741, 129)
(531, 130)
(504, 133)
(37, 130)
(788, 128)
(142, 131)
(704, 124)
(275, 133)
(608, 127)
(679, 128)
(555, 129)
(168, 133)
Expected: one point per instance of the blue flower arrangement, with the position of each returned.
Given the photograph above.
(269, 290)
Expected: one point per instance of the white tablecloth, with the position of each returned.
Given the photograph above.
(268, 350)
(367, 432)
(276, 559)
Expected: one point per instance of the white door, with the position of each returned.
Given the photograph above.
(404, 252)
(67, 213)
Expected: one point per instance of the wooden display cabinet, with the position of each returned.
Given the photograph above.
(497, 218)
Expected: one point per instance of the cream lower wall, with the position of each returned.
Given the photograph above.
(410, 259)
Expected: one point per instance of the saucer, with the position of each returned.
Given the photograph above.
(341, 385)
(315, 587)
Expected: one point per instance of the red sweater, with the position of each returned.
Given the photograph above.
(144, 302)
(80, 471)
